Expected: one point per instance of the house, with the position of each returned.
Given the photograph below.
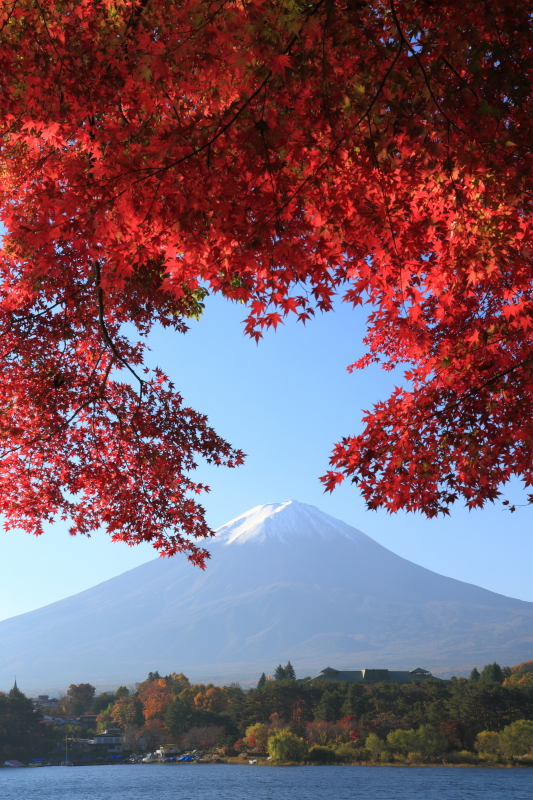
(368, 677)
(111, 738)
(167, 750)
(49, 720)
(88, 720)
(44, 701)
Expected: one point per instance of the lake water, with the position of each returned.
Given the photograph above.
(236, 782)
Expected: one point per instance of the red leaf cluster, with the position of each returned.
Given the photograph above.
(276, 153)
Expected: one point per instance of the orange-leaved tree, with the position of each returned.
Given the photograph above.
(275, 152)
(213, 699)
(155, 699)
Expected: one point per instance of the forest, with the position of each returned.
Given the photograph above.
(488, 716)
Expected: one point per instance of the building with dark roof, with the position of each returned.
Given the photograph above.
(368, 677)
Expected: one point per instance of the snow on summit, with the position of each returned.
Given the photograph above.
(284, 522)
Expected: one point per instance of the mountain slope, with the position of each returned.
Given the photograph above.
(285, 581)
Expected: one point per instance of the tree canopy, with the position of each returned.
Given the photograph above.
(18, 718)
(278, 153)
(81, 696)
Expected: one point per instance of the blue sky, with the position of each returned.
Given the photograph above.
(284, 402)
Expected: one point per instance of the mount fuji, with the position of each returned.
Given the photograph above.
(285, 581)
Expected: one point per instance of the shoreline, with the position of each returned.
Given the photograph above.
(294, 764)
(337, 766)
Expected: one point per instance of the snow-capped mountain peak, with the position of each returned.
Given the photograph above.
(283, 522)
(301, 585)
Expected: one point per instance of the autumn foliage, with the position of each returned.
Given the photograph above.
(278, 153)
(384, 722)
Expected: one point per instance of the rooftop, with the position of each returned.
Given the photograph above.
(369, 676)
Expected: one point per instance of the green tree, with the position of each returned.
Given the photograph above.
(322, 755)
(402, 742)
(279, 673)
(178, 682)
(432, 743)
(491, 673)
(375, 745)
(477, 707)
(348, 751)
(262, 680)
(102, 701)
(517, 738)
(489, 743)
(19, 721)
(178, 717)
(357, 700)
(289, 671)
(236, 699)
(105, 718)
(286, 746)
(331, 704)
(81, 696)
(474, 675)
(122, 691)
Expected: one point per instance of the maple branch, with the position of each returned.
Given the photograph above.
(459, 77)
(105, 333)
(459, 401)
(135, 17)
(337, 144)
(8, 19)
(477, 389)
(211, 141)
(387, 211)
(423, 71)
(225, 127)
(105, 378)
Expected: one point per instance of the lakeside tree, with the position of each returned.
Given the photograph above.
(488, 742)
(178, 716)
(153, 733)
(204, 737)
(256, 736)
(81, 697)
(402, 741)
(276, 153)
(128, 711)
(286, 746)
(130, 738)
(375, 745)
(517, 738)
(19, 720)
